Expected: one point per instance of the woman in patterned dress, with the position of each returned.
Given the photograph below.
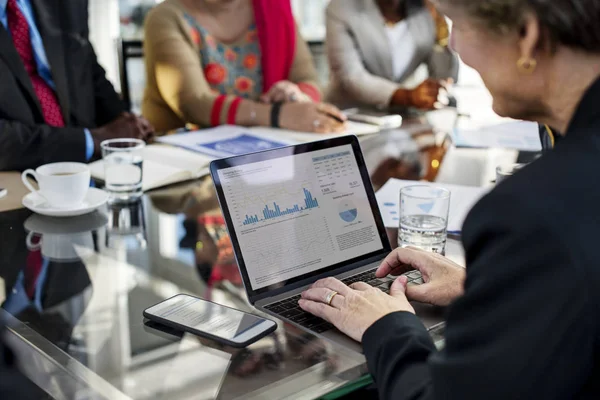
(213, 62)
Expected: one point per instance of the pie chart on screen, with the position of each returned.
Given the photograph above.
(347, 211)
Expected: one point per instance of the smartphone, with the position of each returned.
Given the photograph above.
(210, 320)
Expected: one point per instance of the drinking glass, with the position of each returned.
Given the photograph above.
(424, 218)
(123, 166)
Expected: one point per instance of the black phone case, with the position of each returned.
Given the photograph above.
(207, 335)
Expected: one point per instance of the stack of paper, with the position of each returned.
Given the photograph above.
(462, 199)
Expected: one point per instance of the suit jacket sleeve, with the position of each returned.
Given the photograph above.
(25, 146)
(520, 331)
(108, 103)
(346, 63)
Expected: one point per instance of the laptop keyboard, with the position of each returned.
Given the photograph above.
(289, 308)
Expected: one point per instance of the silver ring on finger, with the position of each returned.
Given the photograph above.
(330, 297)
(316, 123)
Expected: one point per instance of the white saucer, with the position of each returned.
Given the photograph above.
(94, 199)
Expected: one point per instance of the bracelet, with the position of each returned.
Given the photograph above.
(275, 112)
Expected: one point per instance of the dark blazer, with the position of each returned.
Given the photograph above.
(528, 325)
(86, 97)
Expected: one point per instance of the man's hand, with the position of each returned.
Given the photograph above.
(444, 280)
(354, 308)
(423, 96)
(126, 125)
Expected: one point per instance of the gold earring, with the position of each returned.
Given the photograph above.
(527, 66)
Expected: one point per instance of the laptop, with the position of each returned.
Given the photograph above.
(299, 214)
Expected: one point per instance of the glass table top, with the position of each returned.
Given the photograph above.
(77, 289)
(73, 291)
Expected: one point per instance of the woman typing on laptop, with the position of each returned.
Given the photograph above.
(522, 321)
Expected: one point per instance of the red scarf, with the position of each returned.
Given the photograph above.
(277, 37)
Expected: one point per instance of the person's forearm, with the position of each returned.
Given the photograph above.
(251, 113)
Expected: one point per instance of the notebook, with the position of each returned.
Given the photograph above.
(164, 165)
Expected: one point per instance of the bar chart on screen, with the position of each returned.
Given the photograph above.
(275, 212)
(262, 205)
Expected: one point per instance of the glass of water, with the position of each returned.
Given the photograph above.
(424, 218)
(123, 162)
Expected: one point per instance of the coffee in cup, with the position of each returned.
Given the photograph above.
(63, 185)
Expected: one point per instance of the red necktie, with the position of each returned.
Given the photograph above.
(19, 29)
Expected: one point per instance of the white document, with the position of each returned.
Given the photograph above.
(227, 141)
(352, 128)
(164, 165)
(462, 199)
(518, 135)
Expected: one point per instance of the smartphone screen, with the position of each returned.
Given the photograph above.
(206, 317)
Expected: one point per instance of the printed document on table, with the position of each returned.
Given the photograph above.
(226, 141)
(352, 128)
(517, 135)
(462, 199)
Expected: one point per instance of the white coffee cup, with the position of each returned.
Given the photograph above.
(62, 185)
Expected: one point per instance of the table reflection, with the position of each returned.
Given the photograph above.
(126, 226)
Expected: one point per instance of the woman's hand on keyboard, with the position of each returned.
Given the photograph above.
(353, 309)
(443, 279)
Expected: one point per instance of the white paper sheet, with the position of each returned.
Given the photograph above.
(462, 199)
(518, 135)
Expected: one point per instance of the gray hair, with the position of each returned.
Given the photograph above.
(572, 23)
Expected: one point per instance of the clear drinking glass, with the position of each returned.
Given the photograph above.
(123, 162)
(424, 218)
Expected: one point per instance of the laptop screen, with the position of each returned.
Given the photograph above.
(299, 213)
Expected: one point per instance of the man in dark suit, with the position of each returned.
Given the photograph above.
(55, 101)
